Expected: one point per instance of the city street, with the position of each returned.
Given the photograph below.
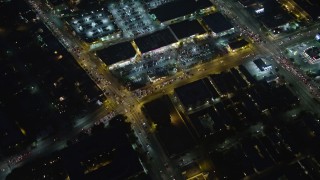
(122, 101)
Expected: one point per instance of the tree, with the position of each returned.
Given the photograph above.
(96, 129)
(120, 122)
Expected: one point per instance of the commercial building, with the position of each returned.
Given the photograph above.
(196, 94)
(237, 44)
(219, 24)
(311, 7)
(116, 53)
(247, 3)
(257, 9)
(318, 37)
(186, 29)
(171, 129)
(155, 40)
(179, 8)
(312, 54)
(260, 69)
(262, 65)
(274, 18)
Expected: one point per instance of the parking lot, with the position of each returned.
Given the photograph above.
(165, 61)
(297, 55)
(93, 25)
(152, 4)
(132, 18)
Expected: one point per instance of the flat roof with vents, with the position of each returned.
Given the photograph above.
(187, 28)
(217, 22)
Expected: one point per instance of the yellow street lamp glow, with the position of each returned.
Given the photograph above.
(23, 131)
(153, 127)
(60, 57)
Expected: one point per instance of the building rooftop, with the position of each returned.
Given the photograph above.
(313, 54)
(116, 53)
(194, 94)
(95, 155)
(260, 64)
(170, 126)
(85, 160)
(275, 21)
(217, 22)
(257, 8)
(187, 28)
(155, 40)
(260, 69)
(238, 44)
(226, 82)
(274, 15)
(311, 7)
(247, 3)
(179, 8)
(206, 121)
